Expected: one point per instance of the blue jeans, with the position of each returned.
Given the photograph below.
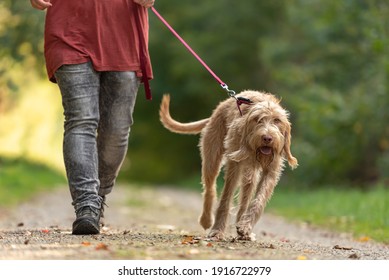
(98, 108)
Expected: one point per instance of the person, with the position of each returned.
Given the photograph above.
(92, 51)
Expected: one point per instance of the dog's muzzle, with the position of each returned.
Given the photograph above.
(265, 154)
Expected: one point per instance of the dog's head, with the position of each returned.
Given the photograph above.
(267, 132)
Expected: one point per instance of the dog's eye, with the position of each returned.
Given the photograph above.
(277, 121)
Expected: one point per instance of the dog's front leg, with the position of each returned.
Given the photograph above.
(249, 182)
(223, 210)
(263, 193)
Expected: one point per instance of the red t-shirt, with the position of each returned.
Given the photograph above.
(101, 31)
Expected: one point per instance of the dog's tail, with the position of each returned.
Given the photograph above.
(175, 126)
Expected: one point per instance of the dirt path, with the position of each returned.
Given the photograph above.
(161, 223)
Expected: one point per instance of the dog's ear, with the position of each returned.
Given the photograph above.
(292, 161)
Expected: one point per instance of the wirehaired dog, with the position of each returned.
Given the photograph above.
(252, 146)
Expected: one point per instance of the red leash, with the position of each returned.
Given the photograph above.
(231, 93)
(222, 84)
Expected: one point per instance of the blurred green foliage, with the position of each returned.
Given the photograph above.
(21, 179)
(328, 61)
(21, 48)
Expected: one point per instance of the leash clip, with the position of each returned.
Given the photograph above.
(230, 92)
(239, 100)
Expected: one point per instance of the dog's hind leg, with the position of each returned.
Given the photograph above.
(210, 170)
(212, 152)
(223, 210)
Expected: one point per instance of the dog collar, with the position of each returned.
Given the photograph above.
(242, 100)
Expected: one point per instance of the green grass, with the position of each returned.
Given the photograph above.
(20, 180)
(363, 213)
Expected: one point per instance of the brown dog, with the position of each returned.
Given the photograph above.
(252, 148)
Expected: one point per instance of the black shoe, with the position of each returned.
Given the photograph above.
(87, 221)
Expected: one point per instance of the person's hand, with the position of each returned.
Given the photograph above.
(145, 3)
(40, 4)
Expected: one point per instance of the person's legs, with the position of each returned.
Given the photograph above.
(118, 93)
(80, 85)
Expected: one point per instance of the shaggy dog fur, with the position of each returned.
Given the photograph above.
(252, 148)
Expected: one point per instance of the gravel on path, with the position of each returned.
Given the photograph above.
(161, 223)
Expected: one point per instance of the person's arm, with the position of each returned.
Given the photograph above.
(145, 3)
(40, 4)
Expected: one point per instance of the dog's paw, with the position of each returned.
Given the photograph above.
(206, 221)
(216, 235)
(250, 237)
(244, 231)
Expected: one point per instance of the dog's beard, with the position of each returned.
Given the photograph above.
(264, 155)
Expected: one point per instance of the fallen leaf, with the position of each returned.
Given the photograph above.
(85, 243)
(45, 230)
(187, 239)
(301, 258)
(209, 244)
(341, 248)
(190, 240)
(102, 246)
(353, 256)
(364, 239)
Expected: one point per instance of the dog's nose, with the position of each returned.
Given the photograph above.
(267, 139)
